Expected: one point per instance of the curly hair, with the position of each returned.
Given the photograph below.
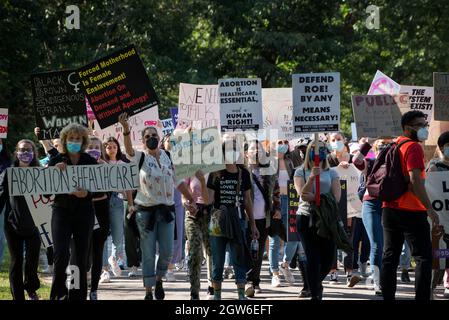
(74, 128)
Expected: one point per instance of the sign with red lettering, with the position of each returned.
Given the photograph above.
(382, 84)
(115, 84)
(3, 123)
(293, 202)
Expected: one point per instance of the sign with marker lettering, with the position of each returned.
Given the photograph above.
(316, 102)
(379, 115)
(441, 90)
(382, 84)
(57, 101)
(198, 106)
(293, 202)
(3, 123)
(167, 126)
(240, 104)
(278, 111)
(52, 180)
(117, 83)
(421, 99)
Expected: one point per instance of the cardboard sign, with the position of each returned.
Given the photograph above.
(57, 102)
(379, 115)
(352, 177)
(167, 126)
(137, 123)
(174, 116)
(354, 136)
(382, 84)
(293, 202)
(316, 102)
(421, 99)
(198, 106)
(3, 123)
(441, 91)
(437, 187)
(93, 178)
(115, 84)
(278, 111)
(196, 150)
(240, 104)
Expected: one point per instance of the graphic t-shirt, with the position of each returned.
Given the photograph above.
(224, 184)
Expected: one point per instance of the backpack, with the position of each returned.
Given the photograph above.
(387, 181)
(362, 181)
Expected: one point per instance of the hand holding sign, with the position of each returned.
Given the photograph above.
(81, 193)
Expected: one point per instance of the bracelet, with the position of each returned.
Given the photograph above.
(126, 133)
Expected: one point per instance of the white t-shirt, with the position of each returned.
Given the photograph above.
(157, 184)
(259, 202)
(283, 181)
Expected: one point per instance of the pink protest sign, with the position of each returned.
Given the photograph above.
(3, 122)
(90, 113)
(382, 84)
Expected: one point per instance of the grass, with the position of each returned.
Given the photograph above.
(5, 291)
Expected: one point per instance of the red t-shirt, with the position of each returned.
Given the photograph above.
(412, 157)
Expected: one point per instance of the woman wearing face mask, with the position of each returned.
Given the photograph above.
(21, 232)
(372, 207)
(72, 216)
(320, 251)
(5, 162)
(155, 206)
(442, 164)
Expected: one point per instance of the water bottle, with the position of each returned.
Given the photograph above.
(254, 249)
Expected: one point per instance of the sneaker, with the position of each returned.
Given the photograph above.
(405, 277)
(33, 296)
(105, 277)
(446, 293)
(288, 275)
(121, 264)
(276, 281)
(249, 291)
(363, 268)
(93, 295)
(210, 293)
(377, 290)
(148, 296)
(114, 266)
(133, 272)
(333, 277)
(352, 280)
(170, 276)
(229, 273)
(305, 294)
(159, 291)
(257, 289)
(179, 266)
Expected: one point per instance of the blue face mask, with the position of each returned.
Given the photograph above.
(446, 152)
(1, 147)
(338, 145)
(73, 147)
(283, 148)
(323, 154)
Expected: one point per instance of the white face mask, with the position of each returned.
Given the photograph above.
(422, 134)
(338, 145)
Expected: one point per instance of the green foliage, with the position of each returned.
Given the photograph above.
(200, 41)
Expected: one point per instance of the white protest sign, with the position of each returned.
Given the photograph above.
(382, 84)
(354, 132)
(278, 111)
(437, 187)
(198, 106)
(137, 123)
(421, 99)
(441, 91)
(196, 150)
(93, 178)
(167, 126)
(240, 104)
(316, 102)
(352, 177)
(379, 115)
(3, 123)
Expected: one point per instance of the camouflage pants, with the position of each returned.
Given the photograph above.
(198, 235)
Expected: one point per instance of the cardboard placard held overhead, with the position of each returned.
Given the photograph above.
(115, 84)
(57, 101)
(3, 123)
(240, 104)
(167, 126)
(421, 99)
(316, 102)
(379, 115)
(383, 84)
(441, 91)
(198, 106)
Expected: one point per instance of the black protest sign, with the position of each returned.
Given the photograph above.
(115, 84)
(58, 101)
(293, 201)
(343, 203)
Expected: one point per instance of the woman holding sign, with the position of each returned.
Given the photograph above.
(155, 206)
(21, 232)
(73, 216)
(320, 251)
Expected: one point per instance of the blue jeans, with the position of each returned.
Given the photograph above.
(161, 236)
(116, 210)
(2, 236)
(218, 246)
(178, 243)
(372, 220)
(406, 257)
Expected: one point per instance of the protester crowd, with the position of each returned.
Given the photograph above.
(226, 220)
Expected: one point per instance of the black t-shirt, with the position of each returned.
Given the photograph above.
(224, 184)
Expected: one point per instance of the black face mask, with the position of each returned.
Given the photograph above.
(152, 143)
